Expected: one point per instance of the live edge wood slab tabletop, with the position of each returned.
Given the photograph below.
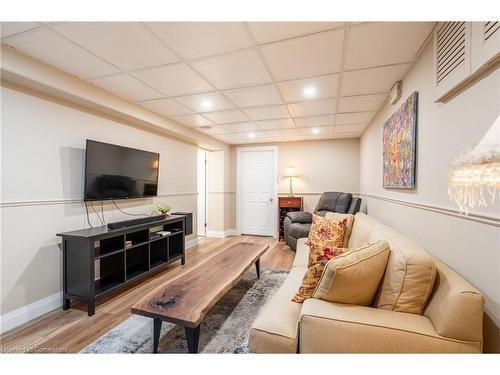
(186, 299)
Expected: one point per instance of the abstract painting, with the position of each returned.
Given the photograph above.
(400, 146)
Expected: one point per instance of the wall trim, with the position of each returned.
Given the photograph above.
(483, 219)
(192, 243)
(51, 202)
(24, 314)
(231, 232)
(216, 233)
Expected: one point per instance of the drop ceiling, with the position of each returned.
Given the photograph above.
(253, 82)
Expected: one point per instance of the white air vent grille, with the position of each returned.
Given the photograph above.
(490, 28)
(450, 48)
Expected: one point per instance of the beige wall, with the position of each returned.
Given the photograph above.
(471, 248)
(324, 165)
(42, 184)
(220, 192)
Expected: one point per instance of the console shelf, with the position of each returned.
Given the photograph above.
(98, 261)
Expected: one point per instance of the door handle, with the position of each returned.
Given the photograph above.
(270, 199)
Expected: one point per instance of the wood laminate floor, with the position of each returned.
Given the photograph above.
(70, 331)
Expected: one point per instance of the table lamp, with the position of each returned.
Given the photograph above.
(290, 173)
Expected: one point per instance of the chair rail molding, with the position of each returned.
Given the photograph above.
(51, 202)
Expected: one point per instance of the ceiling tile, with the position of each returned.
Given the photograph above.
(324, 131)
(127, 87)
(212, 129)
(265, 32)
(316, 108)
(125, 44)
(267, 113)
(306, 56)
(173, 80)
(354, 118)
(372, 81)
(167, 107)
(380, 43)
(361, 103)
(282, 132)
(53, 49)
(257, 134)
(350, 128)
(229, 138)
(315, 121)
(276, 124)
(193, 120)
(12, 28)
(226, 117)
(198, 39)
(240, 127)
(207, 102)
(264, 95)
(313, 88)
(234, 69)
(338, 135)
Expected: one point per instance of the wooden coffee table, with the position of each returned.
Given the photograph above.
(186, 299)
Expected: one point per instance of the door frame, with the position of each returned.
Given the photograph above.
(274, 188)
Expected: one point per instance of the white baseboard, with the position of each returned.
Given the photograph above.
(231, 232)
(215, 233)
(222, 234)
(29, 312)
(191, 243)
(32, 311)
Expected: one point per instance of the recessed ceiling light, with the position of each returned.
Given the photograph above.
(251, 135)
(315, 131)
(310, 91)
(207, 104)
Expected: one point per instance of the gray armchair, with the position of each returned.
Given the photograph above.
(297, 224)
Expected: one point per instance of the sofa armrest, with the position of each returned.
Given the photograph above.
(300, 217)
(328, 327)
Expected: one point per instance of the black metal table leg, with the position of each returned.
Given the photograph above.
(156, 333)
(193, 338)
(257, 267)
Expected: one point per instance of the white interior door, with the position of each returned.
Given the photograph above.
(257, 191)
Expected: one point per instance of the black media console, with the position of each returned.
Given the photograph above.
(98, 261)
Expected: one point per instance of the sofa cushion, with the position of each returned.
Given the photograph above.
(325, 232)
(276, 329)
(410, 273)
(313, 273)
(328, 327)
(354, 277)
(350, 222)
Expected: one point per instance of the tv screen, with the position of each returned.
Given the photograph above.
(116, 172)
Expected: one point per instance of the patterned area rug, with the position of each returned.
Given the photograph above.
(225, 328)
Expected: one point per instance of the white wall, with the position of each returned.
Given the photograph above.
(443, 131)
(323, 165)
(42, 185)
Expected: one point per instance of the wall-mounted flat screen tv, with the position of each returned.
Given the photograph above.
(116, 172)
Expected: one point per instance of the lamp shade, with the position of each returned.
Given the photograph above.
(290, 172)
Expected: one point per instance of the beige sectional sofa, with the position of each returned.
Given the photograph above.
(451, 321)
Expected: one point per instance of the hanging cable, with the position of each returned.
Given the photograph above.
(93, 208)
(88, 219)
(102, 212)
(126, 213)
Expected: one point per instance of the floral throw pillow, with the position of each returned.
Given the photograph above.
(314, 272)
(325, 233)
